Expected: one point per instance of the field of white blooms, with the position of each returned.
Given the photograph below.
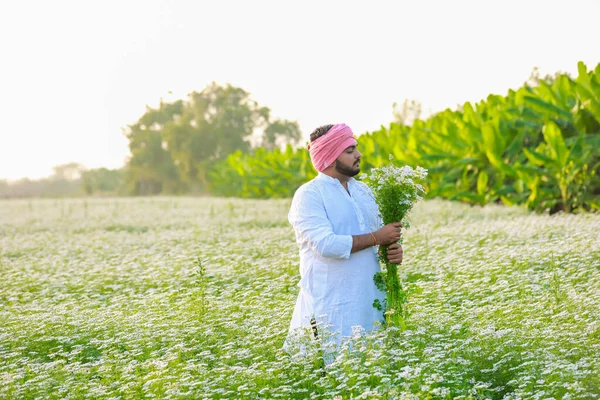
(104, 298)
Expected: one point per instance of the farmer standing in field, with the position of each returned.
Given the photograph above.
(338, 229)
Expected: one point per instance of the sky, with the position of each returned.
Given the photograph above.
(75, 73)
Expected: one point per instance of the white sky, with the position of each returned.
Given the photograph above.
(73, 73)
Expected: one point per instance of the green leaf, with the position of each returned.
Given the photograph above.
(438, 157)
(546, 107)
(470, 115)
(517, 143)
(468, 160)
(581, 67)
(482, 181)
(536, 158)
(507, 201)
(554, 138)
(494, 145)
(506, 189)
(470, 197)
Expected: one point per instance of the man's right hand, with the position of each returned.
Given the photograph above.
(389, 234)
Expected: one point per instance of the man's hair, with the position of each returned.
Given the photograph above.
(320, 131)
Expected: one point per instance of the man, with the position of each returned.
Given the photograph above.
(337, 228)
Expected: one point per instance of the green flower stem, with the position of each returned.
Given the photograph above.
(395, 295)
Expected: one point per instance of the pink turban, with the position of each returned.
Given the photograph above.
(327, 148)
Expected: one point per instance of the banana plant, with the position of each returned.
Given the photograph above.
(563, 172)
(537, 146)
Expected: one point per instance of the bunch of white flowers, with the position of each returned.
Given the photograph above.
(396, 190)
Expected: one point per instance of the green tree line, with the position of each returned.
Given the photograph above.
(175, 146)
(67, 180)
(539, 146)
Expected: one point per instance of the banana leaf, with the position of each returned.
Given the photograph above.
(554, 138)
(547, 108)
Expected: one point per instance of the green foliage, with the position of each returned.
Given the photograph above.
(151, 168)
(174, 146)
(263, 173)
(101, 181)
(539, 146)
(281, 132)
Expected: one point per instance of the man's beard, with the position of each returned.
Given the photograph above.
(346, 170)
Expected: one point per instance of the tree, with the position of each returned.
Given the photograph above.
(150, 169)
(101, 180)
(68, 172)
(214, 123)
(280, 133)
(174, 146)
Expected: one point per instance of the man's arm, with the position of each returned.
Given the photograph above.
(361, 242)
(389, 234)
(309, 219)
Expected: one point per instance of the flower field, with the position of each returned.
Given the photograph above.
(191, 298)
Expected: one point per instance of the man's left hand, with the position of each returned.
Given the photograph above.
(394, 253)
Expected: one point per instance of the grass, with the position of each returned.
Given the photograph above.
(191, 298)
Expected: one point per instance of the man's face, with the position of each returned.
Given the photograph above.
(348, 163)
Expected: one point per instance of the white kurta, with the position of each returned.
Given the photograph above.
(336, 287)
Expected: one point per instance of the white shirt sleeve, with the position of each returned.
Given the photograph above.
(309, 219)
